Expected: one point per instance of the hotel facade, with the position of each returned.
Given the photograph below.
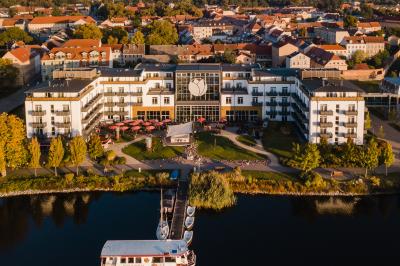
(75, 102)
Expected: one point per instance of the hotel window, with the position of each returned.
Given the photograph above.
(337, 108)
(240, 75)
(255, 99)
(52, 108)
(154, 100)
(240, 100)
(131, 260)
(140, 114)
(284, 90)
(228, 100)
(228, 75)
(239, 84)
(166, 100)
(52, 120)
(123, 260)
(352, 107)
(164, 115)
(121, 89)
(337, 120)
(139, 99)
(169, 75)
(65, 107)
(324, 107)
(168, 85)
(53, 131)
(157, 85)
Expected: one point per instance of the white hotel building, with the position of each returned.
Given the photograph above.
(186, 92)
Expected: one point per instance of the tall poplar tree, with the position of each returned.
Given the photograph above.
(77, 149)
(387, 156)
(34, 150)
(95, 149)
(3, 163)
(370, 156)
(56, 153)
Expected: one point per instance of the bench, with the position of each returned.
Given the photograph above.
(336, 173)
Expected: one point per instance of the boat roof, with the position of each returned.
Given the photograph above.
(144, 248)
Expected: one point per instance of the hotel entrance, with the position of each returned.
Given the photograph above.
(197, 92)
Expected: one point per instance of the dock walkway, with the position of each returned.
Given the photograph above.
(179, 214)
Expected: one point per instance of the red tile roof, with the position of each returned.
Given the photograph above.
(61, 19)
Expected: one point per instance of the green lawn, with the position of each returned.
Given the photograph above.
(144, 173)
(278, 138)
(247, 140)
(224, 149)
(368, 86)
(269, 175)
(138, 150)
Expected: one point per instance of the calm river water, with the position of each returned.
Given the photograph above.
(70, 229)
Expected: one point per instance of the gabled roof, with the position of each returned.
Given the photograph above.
(332, 47)
(321, 56)
(82, 43)
(77, 53)
(61, 19)
(23, 54)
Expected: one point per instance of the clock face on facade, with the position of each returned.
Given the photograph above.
(198, 87)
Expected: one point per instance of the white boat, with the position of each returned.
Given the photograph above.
(147, 253)
(188, 236)
(189, 222)
(162, 228)
(190, 210)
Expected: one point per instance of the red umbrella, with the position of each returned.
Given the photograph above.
(124, 128)
(167, 120)
(119, 124)
(136, 128)
(159, 124)
(153, 121)
(222, 120)
(127, 121)
(113, 127)
(201, 119)
(135, 123)
(149, 128)
(146, 124)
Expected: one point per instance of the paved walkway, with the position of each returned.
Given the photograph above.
(12, 101)
(391, 135)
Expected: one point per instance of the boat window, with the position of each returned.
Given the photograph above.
(157, 260)
(138, 260)
(130, 260)
(170, 259)
(104, 260)
(123, 260)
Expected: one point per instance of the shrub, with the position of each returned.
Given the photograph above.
(375, 181)
(69, 177)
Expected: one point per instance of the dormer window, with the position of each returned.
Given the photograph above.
(69, 55)
(84, 54)
(51, 55)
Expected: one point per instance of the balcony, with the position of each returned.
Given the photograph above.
(351, 112)
(326, 112)
(38, 113)
(256, 103)
(121, 104)
(284, 104)
(92, 124)
(271, 103)
(122, 93)
(63, 113)
(271, 112)
(110, 104)
(63, 124)
(257, 93)
(137, 104)
(300, 102)
(160, 91)
(350, 135)
(325, 135)
(284, 113)
(272, 93)
(90, 115)
(116, 113)
(234, 91)
(136, 93)
(350, 124)
(284, 94)
(325, 124)
(38, 124)
(91, 103)
(109, 93)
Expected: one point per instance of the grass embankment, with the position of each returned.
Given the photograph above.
(130, 180)
(278, 138)
(213, 190)
(247, 140)
(138, 150)
(221, 148)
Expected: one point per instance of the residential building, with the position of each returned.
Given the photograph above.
(369, 27)
(56, 23)
(298, 60)
(133, 53)
(335, 49)
(280, 51)
(331, 35)
(328, 109)
(370, 45)
(323, 59)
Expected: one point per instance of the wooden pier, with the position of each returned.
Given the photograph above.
(179, 213)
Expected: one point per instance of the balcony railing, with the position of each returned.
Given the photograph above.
(38, 124)
(109, 104)
(136, 93)
(137, 104)
(63, 124)
(351, 112)
(116, 113)
(91, 103)
(256, 103)
(284, 113)
(121, 104)
(271, 112)
(234, 90)
(272, 93)
(284, 103)
(325, 135)
(326, 112)
(350, 135)
(90, 115)
(63, 113)
(257, 93)
(350, 124)
(325, 124)
(298, 100)
(38, 113)
(122, 93)
(284, 93)
(271, 103)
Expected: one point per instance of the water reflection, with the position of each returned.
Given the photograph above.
(17, 212)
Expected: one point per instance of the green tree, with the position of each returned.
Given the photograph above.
(137, 38)
(387, 156)
(305, 158)
(228, 57)
(34, 152)
(77, 149)
(88, 31)
(3, 162)
(358, 57)
(14, 34)
(95, 149)
(161, 32)
(16, 152)
(118, 34)
(8, 74)
(370, 156)
(56, 153)
(381, 132)
(350, 21)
